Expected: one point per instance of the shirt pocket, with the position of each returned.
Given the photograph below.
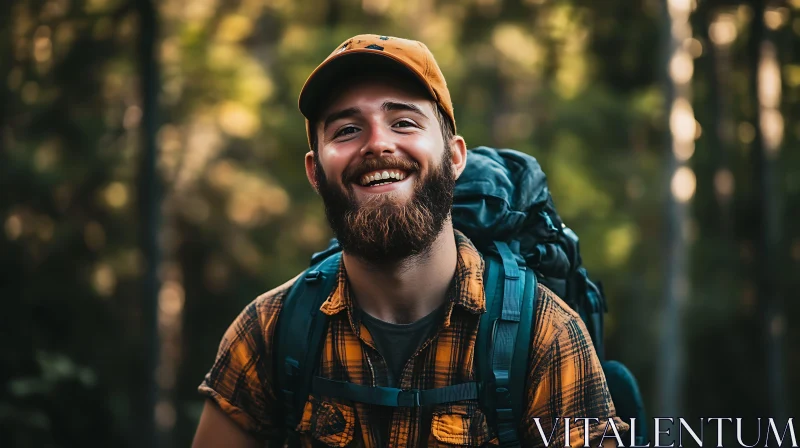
(328, 422)
(460, 424)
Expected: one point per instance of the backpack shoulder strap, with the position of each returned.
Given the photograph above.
(518, 378)
(299, 335)
(503, 342)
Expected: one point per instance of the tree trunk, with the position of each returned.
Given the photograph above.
(149, 189)
(677, 70)
(721, 137)
(765, 87)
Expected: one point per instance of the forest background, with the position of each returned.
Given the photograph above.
(152, 184)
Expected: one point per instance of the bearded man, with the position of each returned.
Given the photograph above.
(404, 312)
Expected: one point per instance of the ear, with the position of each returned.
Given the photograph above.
(311, 172)
(458, 154)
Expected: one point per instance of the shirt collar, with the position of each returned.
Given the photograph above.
(468, 294)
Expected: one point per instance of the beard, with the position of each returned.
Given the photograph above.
(381, 229)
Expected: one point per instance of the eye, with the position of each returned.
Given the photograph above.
(405, 123)
(346, 130)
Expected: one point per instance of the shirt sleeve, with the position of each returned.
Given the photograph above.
(240, 381)
(566, 380)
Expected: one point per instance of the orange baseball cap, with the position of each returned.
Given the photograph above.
(368, 50)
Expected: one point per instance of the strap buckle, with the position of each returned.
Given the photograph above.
(408, 398)
(313, 276)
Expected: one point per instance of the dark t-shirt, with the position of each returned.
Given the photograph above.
(398, 342)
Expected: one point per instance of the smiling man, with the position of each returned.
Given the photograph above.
(405, 306)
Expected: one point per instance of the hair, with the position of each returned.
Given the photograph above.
(445, 125)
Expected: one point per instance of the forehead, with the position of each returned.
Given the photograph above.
(368, 90)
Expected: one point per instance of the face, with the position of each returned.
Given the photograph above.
(383, 169)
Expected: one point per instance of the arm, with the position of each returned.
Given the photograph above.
(217, 429)
(566, 380)
(239, 388)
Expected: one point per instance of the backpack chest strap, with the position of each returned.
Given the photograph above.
(393, 397)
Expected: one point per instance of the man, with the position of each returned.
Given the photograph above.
(405, 310)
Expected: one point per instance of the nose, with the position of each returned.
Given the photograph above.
(379, 143)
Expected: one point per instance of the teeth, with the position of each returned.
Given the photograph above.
(382, 176)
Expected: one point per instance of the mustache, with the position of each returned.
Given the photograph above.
(354, 173)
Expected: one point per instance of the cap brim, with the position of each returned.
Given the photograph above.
(348, 63)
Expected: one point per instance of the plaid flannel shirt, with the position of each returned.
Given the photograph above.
(565, 377)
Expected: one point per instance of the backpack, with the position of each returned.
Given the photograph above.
(503, 205)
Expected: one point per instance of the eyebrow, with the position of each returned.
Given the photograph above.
(386, 106)
(394, 105)
(344, 113)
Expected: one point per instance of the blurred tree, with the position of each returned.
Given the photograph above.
(681, 184)
(68, 314)
(765, 88)
(149, 206)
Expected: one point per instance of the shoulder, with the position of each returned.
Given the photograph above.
(555, 322)
(260, 316)
(565, 378)
(551, 311)
(271, 302)
(245, 347)
(240, 380)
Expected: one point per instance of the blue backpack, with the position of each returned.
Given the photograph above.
(502, 203)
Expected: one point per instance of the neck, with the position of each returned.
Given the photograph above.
(409, 289)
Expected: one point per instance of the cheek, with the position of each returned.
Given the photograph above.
(333, 162)
(428, 152)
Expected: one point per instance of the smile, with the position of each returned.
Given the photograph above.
(377, 178)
